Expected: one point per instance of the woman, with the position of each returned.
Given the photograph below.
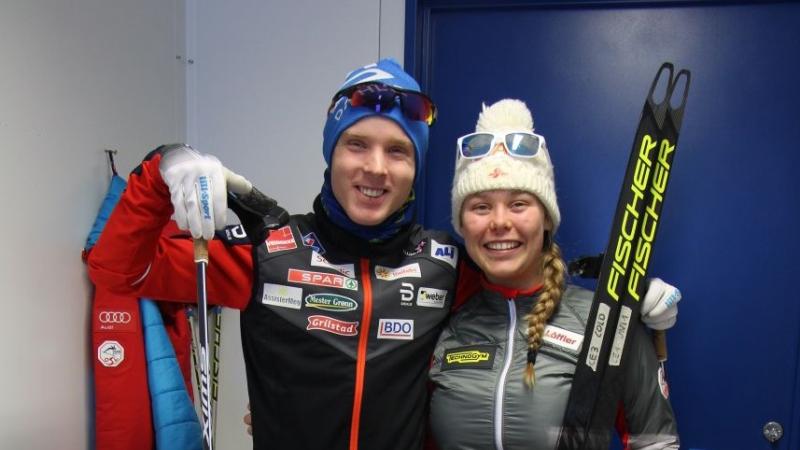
(503, 366)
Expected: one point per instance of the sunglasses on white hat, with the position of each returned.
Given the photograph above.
(522, 144)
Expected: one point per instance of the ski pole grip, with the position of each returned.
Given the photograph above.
(660, 343)
(201, 250)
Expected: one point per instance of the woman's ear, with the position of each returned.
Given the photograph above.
(547, 239)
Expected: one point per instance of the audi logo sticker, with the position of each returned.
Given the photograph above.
(114, 317)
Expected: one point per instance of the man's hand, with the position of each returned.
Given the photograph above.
(248, 420)
(197, 185)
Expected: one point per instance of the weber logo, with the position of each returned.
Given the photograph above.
(432, 298)
(396, 329)
(446, 253)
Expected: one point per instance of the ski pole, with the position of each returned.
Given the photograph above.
(215, 349)
(201, 262)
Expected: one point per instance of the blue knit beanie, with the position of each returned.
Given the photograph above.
(386, 71)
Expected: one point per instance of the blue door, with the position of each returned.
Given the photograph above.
(729, 236)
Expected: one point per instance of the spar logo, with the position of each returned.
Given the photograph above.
(110, 353)
(432, 298)
(331, 302)
(393, 273)
(331, 325)
(401, 329)
(322, 279)
(446, 253)
(281, 239)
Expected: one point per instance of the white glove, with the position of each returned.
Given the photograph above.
(197, 186)
(660, 305)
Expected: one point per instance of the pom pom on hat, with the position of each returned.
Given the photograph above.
(503, 171)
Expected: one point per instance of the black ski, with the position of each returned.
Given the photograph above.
(598, 380)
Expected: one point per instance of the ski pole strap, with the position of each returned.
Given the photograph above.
(258, 214)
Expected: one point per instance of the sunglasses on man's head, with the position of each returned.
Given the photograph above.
(380, 97)
(522, 144)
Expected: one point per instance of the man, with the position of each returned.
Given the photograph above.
(340, 307)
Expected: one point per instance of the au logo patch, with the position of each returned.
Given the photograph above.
(469, 357)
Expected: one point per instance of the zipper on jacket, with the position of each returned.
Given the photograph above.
(361, 355)
(501, 382)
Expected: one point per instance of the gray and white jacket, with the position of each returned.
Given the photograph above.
(480, 400)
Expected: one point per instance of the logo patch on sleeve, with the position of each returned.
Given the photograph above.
(283, 296)
(111, 353)
(469, 357)
(311, 240)
(393, 273)
(432, 298)
(233, 234)
(563, 339)
(447, 253)
(281, 239)
(401, 329)
(331, 325)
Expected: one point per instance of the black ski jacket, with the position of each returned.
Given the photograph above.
(338, 334)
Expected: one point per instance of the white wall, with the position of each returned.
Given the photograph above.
(77, 77)
(262, 79)
(81, 76)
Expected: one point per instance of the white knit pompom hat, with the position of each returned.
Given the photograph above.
(502, 171)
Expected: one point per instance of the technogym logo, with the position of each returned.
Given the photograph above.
(467, 357)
